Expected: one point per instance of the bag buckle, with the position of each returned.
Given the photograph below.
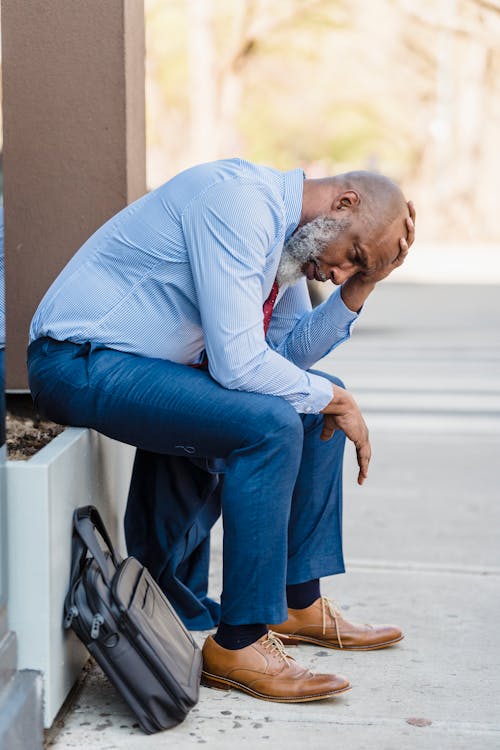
(97, 621)
(70, 616)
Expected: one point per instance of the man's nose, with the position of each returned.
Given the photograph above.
(342, 274)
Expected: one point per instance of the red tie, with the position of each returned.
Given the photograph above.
(267, 309)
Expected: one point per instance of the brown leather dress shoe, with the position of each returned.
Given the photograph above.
(322, 624)
(266, 671)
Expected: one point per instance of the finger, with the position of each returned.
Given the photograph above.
(327, 432)
(363, 473)
(329, 427)
(363, 455)
(411, 231)
(403, 251)
(411, 209)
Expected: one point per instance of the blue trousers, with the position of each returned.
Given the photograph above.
(203, 450)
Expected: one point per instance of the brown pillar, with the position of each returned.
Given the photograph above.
(74, 139)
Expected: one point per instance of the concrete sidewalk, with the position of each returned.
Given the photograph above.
(421, 542)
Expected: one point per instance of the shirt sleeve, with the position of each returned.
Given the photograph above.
(304, 335)
(229, 232)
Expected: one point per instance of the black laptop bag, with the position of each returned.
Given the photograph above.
(124, 619)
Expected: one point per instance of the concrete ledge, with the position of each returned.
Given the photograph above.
(20, 713)
(8, 658)
(77, 468)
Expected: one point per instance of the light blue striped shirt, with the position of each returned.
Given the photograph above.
(186, 269)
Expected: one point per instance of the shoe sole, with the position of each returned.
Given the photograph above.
(223, 683)
(297, 640)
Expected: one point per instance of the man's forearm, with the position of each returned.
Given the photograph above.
(355, 291)
(306, 339)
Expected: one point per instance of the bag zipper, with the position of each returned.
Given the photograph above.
(73, 612)
(98, 618)
(70, 616)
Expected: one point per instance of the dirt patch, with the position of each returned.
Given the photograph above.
(26, 431)
(26, 436)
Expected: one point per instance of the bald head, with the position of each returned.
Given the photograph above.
(380, 199)
(375, 199)
(362, 219)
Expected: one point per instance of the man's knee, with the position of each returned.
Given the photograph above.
(279, 422)
(332, 378)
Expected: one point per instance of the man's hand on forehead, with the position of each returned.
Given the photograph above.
(406, 242)
(377, 274)
(358, 287)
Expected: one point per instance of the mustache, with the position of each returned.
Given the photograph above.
(314, 260)
(306, 245)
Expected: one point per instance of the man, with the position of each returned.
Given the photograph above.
(183, 326)
(2, 333)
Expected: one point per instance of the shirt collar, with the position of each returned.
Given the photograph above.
(293, 190)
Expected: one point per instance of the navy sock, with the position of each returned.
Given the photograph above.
(302, 595)
(238, 636)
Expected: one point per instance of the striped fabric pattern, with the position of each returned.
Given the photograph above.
(183, 272)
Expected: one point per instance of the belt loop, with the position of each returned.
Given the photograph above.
(82, 350)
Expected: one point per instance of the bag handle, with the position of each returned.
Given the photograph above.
(86, 520)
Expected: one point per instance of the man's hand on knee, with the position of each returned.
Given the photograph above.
(344, 414)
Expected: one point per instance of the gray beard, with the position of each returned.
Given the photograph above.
(306, 244)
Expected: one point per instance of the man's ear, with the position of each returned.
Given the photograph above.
(348, 199)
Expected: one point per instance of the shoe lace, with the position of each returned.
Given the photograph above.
(275, 646)
(328, 605)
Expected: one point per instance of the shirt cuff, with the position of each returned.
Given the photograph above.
(321, 395)
(342, 318)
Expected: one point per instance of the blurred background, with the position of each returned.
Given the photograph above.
(409, 89)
